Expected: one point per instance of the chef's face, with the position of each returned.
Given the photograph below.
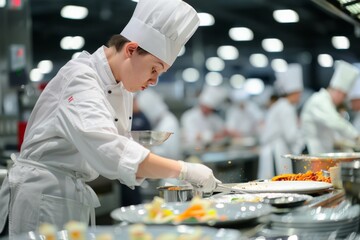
(140, 70)
(338, 97)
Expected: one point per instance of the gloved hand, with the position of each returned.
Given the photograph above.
(199, 175)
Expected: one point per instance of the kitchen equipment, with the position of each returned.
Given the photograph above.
(286, 201)
(150, 138)
(318, 162)
(350, 177)
(177, 193)
(228, 188)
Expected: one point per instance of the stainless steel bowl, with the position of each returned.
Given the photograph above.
(150, 138)
(318, 162)
(350, 177)
(177, 193)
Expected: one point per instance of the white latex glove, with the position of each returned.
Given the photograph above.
(199, 175)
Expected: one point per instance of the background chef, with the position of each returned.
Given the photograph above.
(281, 133)
(320, 120)
(79, 126)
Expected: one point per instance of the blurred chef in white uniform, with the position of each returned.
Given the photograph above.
(244, 117)
(354, 98)
(79, 127)
(281, 133)
(161, 119)
(320, 120)
(201, 125)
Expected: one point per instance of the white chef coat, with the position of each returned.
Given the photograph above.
(356, 120)
(244, 119)
(281, 135)
(194, 123)
(321, 121)
(78, 129)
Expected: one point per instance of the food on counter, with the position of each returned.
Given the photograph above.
(48, 231)
(174, 188)
(138, 232)
(104, 236)
(76, 230)
(308, 176)
(255, 199)
(199, 210)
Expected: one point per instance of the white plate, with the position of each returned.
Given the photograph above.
(235, 213)
(282, 186)
(122, 232)
(253, 197)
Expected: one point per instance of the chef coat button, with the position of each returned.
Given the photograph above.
(109, 92)
(129, 118)
(116, 119)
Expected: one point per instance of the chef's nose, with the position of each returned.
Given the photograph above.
(154, 81)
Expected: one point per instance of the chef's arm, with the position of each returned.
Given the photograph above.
(155, 166)
(199, 175)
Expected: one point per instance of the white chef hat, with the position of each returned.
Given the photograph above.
(152, 105)
(162, 27)
(344, 76)
(239, 95)
(212, 96)
(289, 81)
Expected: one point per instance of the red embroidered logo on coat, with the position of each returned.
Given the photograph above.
(70, 99)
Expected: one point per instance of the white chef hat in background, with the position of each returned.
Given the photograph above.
(152, 105)
(289, 81)
(344, 76)
(212, 96)
(239, 95)
(162, 27)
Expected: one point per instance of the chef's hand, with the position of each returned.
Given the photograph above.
(199, 175)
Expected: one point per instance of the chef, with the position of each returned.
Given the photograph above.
(201, 124)
(79, 127)
(243, 117)
(281, 133)
(354, 98)
(320, 120)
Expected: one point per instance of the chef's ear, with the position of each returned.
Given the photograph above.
(130, 48)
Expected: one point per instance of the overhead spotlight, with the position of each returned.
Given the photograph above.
(272, 45)
(286, 16)
(215, 64)
(241, 34)
(254, 86)
(190, 75)
(36, 75)
(213, 78)
(45, 66)
(237, 81)
(206, 19)
(340, 42)
(258, 60)
(228, 52)
(74, 12)
(279, 65)
(325, 60)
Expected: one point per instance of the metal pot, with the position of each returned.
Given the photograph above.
(318, 162)
(350, 176)
(177, 193)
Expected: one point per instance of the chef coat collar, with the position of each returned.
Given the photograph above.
(103, 67)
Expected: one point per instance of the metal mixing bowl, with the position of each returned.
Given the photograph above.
(318, 162)
(176, 193)
(350, 177)
(149, 138)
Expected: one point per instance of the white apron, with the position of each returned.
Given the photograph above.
(48, 195)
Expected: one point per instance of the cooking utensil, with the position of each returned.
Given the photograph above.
(149, 138)
(317, 162)
(223, 188)
(177, 193)
(286, 201)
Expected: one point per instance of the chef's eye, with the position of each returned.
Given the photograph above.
(153, 71)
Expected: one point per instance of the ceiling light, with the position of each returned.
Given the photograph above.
(75, 55)
(353, 6)
(190, 75)
(45, 66)
(241, 34)
(71, 43)
(279, 65)
(215, 64)
(228, 52)
(272, 45)
(254, 86)
(2, 3)
(237, 81)
(340, 42)
(36, 75)
(325, 60)
(285, 16)
(74, 12)
(206, 19)
(213, 78)
(258, 60)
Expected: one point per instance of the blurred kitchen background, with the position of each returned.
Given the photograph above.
(239, 44)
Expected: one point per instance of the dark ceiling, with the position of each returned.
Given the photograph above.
(302, 40)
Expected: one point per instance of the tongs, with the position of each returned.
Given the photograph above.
(223, 188)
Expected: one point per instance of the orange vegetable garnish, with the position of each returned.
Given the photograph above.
(308, 176)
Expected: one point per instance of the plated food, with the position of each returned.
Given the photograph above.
(308, 176)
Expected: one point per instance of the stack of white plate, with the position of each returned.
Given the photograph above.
(338, 222)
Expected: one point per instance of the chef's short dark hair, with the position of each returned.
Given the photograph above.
(118, 41)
